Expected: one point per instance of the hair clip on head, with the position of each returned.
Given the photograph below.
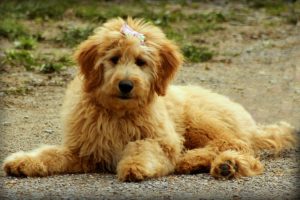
(128, 31)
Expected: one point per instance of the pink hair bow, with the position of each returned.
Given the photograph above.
(128, 31)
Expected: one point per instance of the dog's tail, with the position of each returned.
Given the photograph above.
(275, 138)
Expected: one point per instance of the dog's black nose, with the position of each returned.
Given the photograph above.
(125, 86)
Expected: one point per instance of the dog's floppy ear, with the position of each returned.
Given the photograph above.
(171, 60)
(86, 57)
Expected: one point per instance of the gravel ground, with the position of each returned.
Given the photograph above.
(34, 119)
(264, 76)
(200, 186)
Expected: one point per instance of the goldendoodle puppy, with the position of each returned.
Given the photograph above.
(120, 116)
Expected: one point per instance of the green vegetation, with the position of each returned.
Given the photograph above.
(44, 64)
(72, 36)
(25, 43)
(91, 13)
(21, 90)
(288, 9)
(269, 4)
(46, 10)
(20, 58)
(49, 65)
(33, 9)
(197, 54)
(64, 24)
(11, 28)
(98, 12)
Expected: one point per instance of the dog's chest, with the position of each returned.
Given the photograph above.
(104, 138)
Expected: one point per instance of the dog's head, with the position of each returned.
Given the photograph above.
(122, 70)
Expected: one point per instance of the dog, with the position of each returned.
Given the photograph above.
(121, 115)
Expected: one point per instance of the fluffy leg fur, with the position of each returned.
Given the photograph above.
(232, 158)
(233, 164)
(195, 160)
(275, 137)
(47, 160)
(214, 156)
(145, 159)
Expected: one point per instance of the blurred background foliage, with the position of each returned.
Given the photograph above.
(39, 34)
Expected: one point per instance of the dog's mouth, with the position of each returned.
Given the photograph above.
(125, 97)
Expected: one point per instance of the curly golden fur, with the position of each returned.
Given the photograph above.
(120, 115)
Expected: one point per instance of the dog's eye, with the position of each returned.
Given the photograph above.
(140, 62)
(115, 59)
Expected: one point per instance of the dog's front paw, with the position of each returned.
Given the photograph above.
(21, 164)
(132, 172)
(225, 170)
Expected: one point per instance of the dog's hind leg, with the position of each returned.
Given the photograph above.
(233, 164)
(222, 157)
(44, 161)
(195, 161)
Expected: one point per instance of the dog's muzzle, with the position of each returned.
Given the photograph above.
(125, 87)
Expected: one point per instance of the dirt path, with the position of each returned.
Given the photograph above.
(256, 66)
(270, 91)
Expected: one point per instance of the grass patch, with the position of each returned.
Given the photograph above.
(51, 67)
(201, 23)
(237, 14)
(91, 13)
(179, 19)
(214, 17)
(197, 54)
(266, 3)
(44, 64)
(174, 34)
(202, 28)
(21, 90)
(11, 28)
(72, 36)
(101, 11)
(19, 58)
(65, 60)
(27, 43)
(293, 15)
(46, 10)
(293, 18)
(55, 65)
(33, 9)
(289, 10)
